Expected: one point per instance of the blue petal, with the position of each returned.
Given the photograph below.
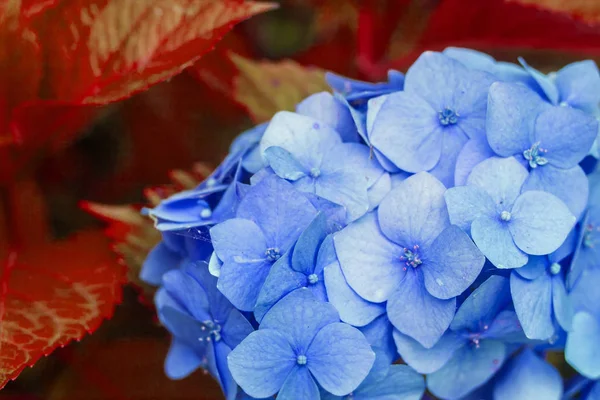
(594, 393)
(275, 206)
(583, 345)
(506, 328)
(414, 213)
(262, 362)
(305, 252)
(566, 134)
(540, 222)
(426, 361)
(241, 283)
(306, 138)
(328, 109)
(353, 309)
(238, 241)
(533, 304)
(512, 109)
(472, 153)
(188, 293)
(561, 303)
(466, 203)
(235, 329)
(355, 90)
(501, 178)
(586, 253)
(182, 360)
(401, 382)
(379, 190)
(494, 239)
(299, 316)
(353, 157)
(184, 327)
(579, 85)
(214, 265)
(299, 385)
(366, 257)
(569, 185)
(469, 368)
(340, 358)
(410, 302)
(160, 260)
(472, 58)
(535, 267)
(379, 333)
(545, 83)
(408, 132)
(452, 264)
(335, 214)
(584, 294)
(529, 377)
(284, 164)
(378, 372)
(374, 106)
(482, 306)
(221, 372)
(282, 280)
(451, 146)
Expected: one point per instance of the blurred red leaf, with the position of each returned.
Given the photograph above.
(53, 294)
(588, 10)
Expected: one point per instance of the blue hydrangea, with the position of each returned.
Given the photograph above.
(443, 224)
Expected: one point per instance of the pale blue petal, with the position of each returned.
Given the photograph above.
(471, 58)
(182, 360)
(408, 132)
(160, 260)
(358, 116)
(579, 85)
(482, 306)
(306, 138)
(469, 368)
(569, 185)
(535, 267)
(235, 329)
(512, 109)
(594, 393)
(506, 328)
(426, 361)
(214, 265)
(334, 213)
(452, 144)
(533, 304)
(529, 377)
(385, 162)
(379, 190)
(299, 385)
(584, 295)
(583, 345)
(501, 178)
(561, 303)
(238, 241)
(346, 188)
(326, 255)
(452, 264)
(275, 206)
(401, 382)
(370, 262)
(262, 362)
(241, 283)
(222, 373)
(304, 256)
(414, 213)
(183, 326)
(545, 83)
(408, 319)
(494, 239)
(356, 158)
(472, 153)
(299, 316)
(328, 109)
(187, 292)
(340, 358)
(353, 309)
(566, 135)
(379, 334)
(586, 254)
(540, 222)
(374, 106)
(284, 164)
(378, 372)
(466, 203)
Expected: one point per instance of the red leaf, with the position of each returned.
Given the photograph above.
(53, 295)
(584, 9)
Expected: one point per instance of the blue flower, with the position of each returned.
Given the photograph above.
(474, 349)
(385, 381)
(205, 326)
(312, 156)
(443, 105)
(168, 254)
(301, 267)
(358, 93)
(550, 140)
(301, 340)
(505, 224)
(577, 85)
(269, 220)
(244, 149)
(408, 253)
(540, 296)
(332, 111)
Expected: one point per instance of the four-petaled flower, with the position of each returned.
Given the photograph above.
(505, 224)
(409, 255)
(301, 340)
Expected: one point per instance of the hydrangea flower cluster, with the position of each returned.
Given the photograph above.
(435, 233)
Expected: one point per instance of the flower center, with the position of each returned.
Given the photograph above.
(555, 268)
(505, 216)
(590, 235)
(301, 360)
(206, 213)
(313, 278)
(315, 172)
(411, 258)
(211, 330)
(534, 155)
(448, 116)
(273, 253)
